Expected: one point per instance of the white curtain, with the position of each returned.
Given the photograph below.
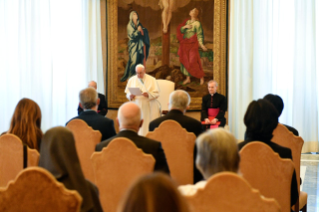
(273, 49)
(49, 51)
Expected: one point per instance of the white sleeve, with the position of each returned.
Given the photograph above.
(127, 91)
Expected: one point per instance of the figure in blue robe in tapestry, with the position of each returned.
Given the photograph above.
(138, 45)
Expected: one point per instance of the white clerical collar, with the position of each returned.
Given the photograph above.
(128, 130)
(87, 110)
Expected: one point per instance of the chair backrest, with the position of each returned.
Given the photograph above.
(33, 157)
(178, 145)
(166, 88)
(266, 171)
(227, 191)
(12, 158)
(35, 189)
(85, 141)
(116, 167)
(285, 138)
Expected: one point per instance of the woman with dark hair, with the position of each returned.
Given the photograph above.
(153, 193)
(58, 155)
(277, 101)
(261, 119)
(26, 123)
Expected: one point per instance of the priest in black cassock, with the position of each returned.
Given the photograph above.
(213, 103)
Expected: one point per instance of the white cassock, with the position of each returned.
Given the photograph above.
(149, 106)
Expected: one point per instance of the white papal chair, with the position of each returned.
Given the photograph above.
(166, 88)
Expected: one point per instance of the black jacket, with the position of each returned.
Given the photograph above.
(219, 101)
(98, 122)
(291, 129)
(102, 109)
(148, 146)
(190, 124)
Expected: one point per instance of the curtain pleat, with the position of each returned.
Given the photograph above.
(273, 49)
(50, 50)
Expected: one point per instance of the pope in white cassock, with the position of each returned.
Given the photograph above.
(147, 101)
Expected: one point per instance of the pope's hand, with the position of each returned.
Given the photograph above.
(145, 94)
(207, 121)
(132, 97)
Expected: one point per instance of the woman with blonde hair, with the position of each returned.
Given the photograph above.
(26, 123)
(153, 193)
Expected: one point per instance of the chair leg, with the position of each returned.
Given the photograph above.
(304, 209)
(296, 208)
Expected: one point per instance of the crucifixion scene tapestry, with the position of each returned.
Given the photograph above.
(182, 41)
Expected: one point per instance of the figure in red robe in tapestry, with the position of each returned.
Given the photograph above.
(190, 36)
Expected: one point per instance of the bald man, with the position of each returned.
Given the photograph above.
(102, 108)
(130, 121)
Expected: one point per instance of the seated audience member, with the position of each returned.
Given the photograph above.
(261, 119)
(179, 101)
(26, 123)
(214, 106)
(217, 152)
(276, 101)
(89, 102)
(129, 121)
(58, 155)
(102, 108)
(153, 193)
